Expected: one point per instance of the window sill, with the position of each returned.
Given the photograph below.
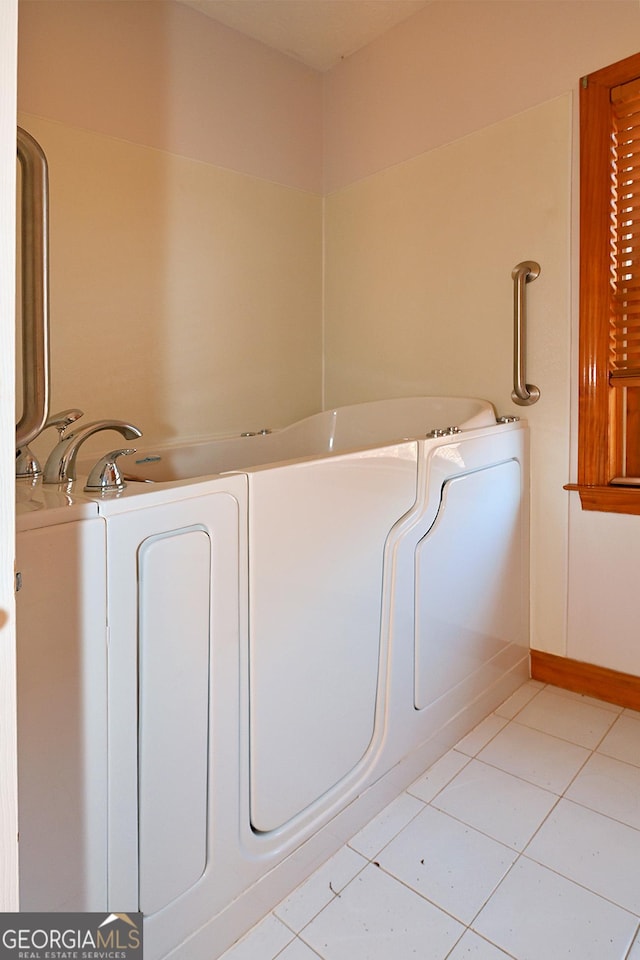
(608, 499)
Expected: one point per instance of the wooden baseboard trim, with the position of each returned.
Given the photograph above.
(613, 686)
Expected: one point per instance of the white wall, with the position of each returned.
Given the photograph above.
(8, 769)
(604, 605)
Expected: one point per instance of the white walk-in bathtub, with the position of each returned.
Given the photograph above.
(298, 624)
(334, 431)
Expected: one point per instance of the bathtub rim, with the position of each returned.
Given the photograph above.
(484, 417)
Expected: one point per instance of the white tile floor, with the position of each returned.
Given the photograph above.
(523, 842)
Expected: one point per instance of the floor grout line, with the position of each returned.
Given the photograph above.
(520, 855)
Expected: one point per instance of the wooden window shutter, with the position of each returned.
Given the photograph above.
(609, 347)
(625, 236)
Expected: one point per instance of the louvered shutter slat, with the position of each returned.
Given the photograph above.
(624, 324)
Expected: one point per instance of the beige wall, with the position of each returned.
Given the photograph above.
(456, 67)
(419, 297)
(183, 297)
(186, 238)
(450, 155)
(158, 73)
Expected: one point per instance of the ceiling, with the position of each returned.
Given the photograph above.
(318, 33)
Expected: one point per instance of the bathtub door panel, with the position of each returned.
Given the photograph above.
(176, 615)
(470, 601)
(317, 534)
(174, 573)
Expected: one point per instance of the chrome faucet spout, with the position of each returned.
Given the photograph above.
(61, 464)
(27, 464)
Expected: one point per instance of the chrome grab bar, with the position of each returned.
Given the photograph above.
(523, 393)
(35, 289)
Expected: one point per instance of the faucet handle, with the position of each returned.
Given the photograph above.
(63, 420)
(105, 476)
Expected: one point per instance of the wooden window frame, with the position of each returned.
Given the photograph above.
(598, 438)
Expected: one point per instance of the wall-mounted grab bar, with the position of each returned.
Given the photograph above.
(523, 393)
(35, 289)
